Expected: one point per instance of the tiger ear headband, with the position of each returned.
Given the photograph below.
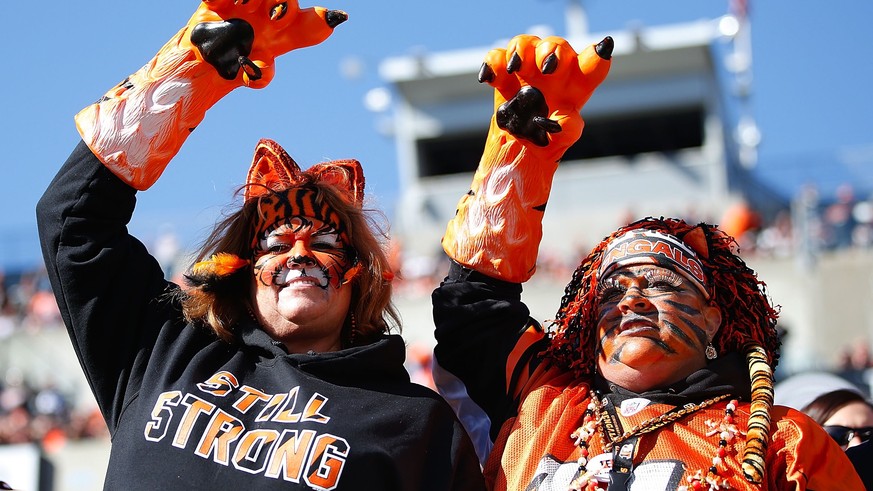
(273, 170)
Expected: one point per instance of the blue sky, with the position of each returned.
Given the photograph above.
(812, 72)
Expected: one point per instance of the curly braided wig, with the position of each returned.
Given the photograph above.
(748, 317)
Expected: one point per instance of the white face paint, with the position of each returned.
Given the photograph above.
(305, 249)
(301, 273)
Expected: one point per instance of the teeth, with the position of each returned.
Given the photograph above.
(314, 275)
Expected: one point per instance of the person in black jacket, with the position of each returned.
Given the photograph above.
(274, 367)
(861, 457)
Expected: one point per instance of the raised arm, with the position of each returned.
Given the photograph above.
(109, 289)
(540, 87)
(140, 124)
(487, 344)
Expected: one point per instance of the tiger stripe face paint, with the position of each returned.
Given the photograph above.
(297, 240)
(653, 326)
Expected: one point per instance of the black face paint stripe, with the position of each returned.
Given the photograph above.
(259, 270)
(663, 346)
(698, 331)
(683, 307)
(603, 314)
(302, 260)
(607, 334)
(274, 275)
(616, 356)
(679, 333)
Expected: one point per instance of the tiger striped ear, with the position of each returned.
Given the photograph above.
(272, 168)
(347, 175)
(696, 239)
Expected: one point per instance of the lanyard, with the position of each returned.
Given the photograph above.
(622, 464)
(622, 452)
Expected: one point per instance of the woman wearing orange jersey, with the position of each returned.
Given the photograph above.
(656, 373)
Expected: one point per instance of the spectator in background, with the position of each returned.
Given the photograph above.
(741, 222)
(862, 236)
(848, 417)
(855, 365)
(800, 389)
(839, 221)
(845, 414)
(7, 312)
(777, 238)
(861, 457)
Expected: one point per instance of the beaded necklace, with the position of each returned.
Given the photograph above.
(700, 480)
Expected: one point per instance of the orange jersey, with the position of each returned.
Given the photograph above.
(535, 450)
(486, 339)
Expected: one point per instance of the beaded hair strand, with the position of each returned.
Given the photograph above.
(748, 319)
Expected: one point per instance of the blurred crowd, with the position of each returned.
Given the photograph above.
(844, 222)
(810, 225)
(27, 302)
(43, 414)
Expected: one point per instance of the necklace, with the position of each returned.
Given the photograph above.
(727, 432)
(593, 419)
(657, 422)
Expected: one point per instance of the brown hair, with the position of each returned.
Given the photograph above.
(220, 302)
(824, 406)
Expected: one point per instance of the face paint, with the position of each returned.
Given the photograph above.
(302, 249)
(297, 236)
(652, 320)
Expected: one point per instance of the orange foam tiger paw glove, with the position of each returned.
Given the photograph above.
(540, 87)
(140, 124)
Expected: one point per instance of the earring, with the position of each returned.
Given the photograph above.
(353, 328)
(711, 353)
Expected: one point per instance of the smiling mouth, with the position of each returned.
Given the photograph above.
(636, 326)
(304, 281)
(300, 278)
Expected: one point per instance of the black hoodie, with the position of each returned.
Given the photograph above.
(188, 411)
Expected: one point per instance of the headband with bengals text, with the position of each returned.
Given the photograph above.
(652, 247)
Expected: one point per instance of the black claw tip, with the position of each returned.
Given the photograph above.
(550, 64)
(252, 70)
(335, 17)
(547, 124)
(514, 63)
(604, 48)
(486, 74)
